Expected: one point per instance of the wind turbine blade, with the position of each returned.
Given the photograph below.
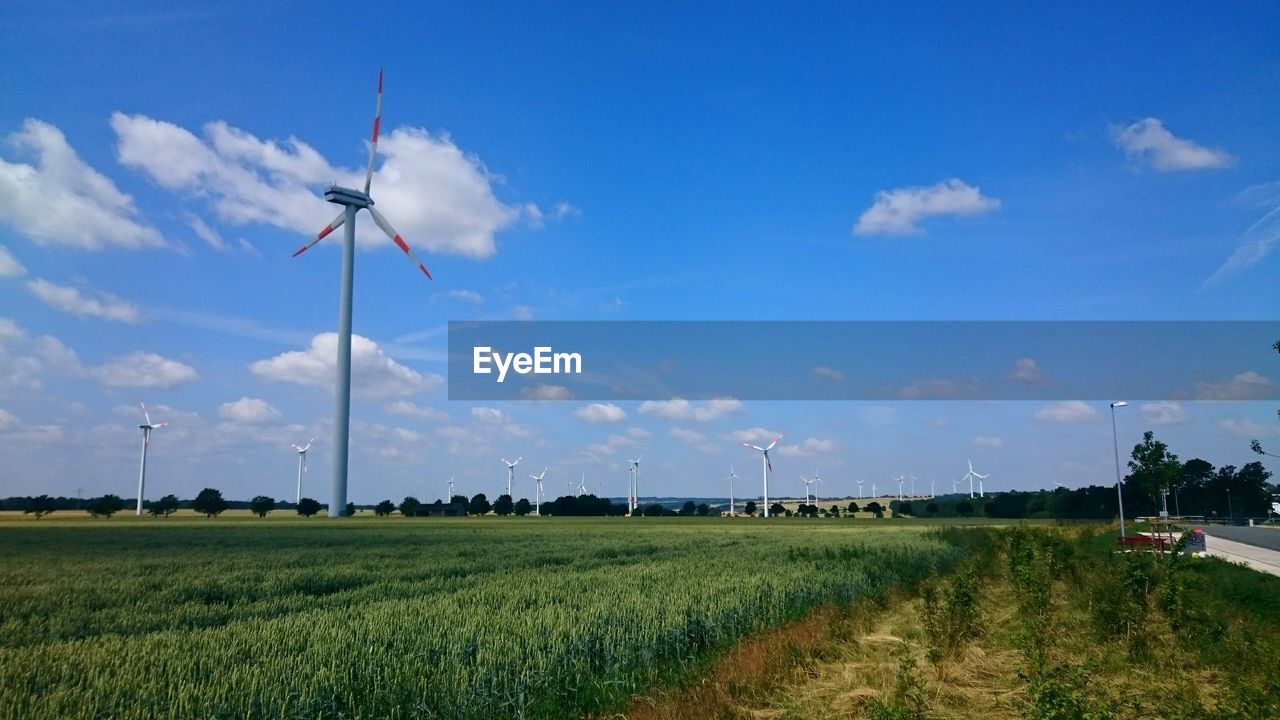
(775, 441)
(373, 143)
(145, 414)
(337, 223)
(754, 447)
(395, 237)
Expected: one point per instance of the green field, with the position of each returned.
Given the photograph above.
(400, 618)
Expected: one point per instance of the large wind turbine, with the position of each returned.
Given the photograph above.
(765, 466)
(302, 465)
(633, 501)
(970, 476)
(511, 472)
(451, 487)
(537, 499)
(900, 478)
(146, 440)
(732, 476)
(352, 201)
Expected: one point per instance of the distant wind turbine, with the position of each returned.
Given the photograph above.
(146, 440)
(511, 472)
(302, 465)
(860, 488)
(732, 476)
(352, 201)
(970, 476)
(451, 488)
(766, 467)
(633, 491)
(537, 499)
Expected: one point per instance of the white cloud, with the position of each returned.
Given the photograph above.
(563, 210)
(1248, 428)
(601, 413)
(8, 421)
(208, 234)
(694, 439)
(822, 372)
(413, 410)
(1149, 142)
(373, 374)
(1164, 413)
(1245, 386)
(490, 416)
(249, 410)
(9, 330)
(438, 197)
(71, 300)
(470, 296)
(1255, 244)
(808, 448)
(59, 200)
(9, 265)
(983, 441)
(1067, 411)
(144, 369)
(755, 435)
(522, 312)
(1026, 370)
(899, 211)
(681, 409)
(542, 391)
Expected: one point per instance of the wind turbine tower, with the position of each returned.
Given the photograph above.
(146, 428)
(970, 476)
(537, 498)
(765, 467)
(511, 472)
(732, 476)
(302, 466)
(451, 488)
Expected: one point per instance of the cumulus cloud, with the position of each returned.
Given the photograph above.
(522, 312)
(71, 300)
(1067, 412)
(983, 441)
(899, 211)
(681, 409)
(208, 234)
(8, 421)
(373, 373)
(9, 265)
(755, 435)
(249, 410)
(413, 410)
(1245, 386)
(822, 372)
(1148, 141)
(438, 197)
(808, 448)
(490, 416)
(542, 391)
(1248, 428)
(60, 200)
(144, 369)
(1025, 370)
(1164, 413)
(470, 296)
(694, 439)
(601, 413)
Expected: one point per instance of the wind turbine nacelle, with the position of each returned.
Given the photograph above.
(347, 196)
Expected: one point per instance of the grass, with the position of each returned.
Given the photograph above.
(398, 618)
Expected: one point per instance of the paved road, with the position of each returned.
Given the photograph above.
(1263, 537)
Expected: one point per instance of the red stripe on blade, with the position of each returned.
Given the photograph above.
(376, 122)
(401, 243)
(424, 271)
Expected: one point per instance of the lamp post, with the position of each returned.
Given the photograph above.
(1231, 516)
(1115, 438)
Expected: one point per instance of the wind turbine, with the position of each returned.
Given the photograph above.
(451, 488)
(511, 471)
(817, 478)
(807, 483)
(873, 490)
(970, 476)
(582, 486)
(537, 499)
(633, 501)
(860, 488)
(766, 467)
(352, 201)
(146, 440)
(900, 478)
(302, 465)
(732, 476)
(913, 486)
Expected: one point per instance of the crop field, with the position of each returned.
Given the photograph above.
(472, 618)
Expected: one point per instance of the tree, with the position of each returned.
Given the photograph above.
(479, 505)
(503, 506)
(875, 508)
(40, 506)
(751, 507)
(703, 510)
(209, 502)
(164, 507)
(459, 499)
(906, 509)
(777, 509)
(409, 506)
(965, 508)
(654, 510)
(931, 508)
(523, 507)
(351, 509)
(835, 511)
(688, 508)
(308, 507)
(853, 508)
(105, 506)
(1152, 469)
(384, 508)
(261, 505)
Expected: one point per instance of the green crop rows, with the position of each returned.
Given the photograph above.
(536, 618)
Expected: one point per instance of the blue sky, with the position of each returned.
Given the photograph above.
(622, 162)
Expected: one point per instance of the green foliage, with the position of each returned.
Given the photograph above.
(332, 620)
(523, 507)
(409, 506)
(750, 508)
(703, 509)
(308, 507)
(853, 508)
(964, 508)
(950, 614)
(384, 508)
(688, 509)
(1153, 468)
(503, 506)
(777, 509)
(105, 506)
(876, 508)
(40, 506)
(164, 507)
(908, 699)
(479, 505)
(209, 502)
(931, 508)
(261, 505)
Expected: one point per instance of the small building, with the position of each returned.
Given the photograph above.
(441, 509)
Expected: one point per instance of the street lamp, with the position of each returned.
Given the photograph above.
(1115, 438)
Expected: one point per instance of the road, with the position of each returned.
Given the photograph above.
(1257, 547)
